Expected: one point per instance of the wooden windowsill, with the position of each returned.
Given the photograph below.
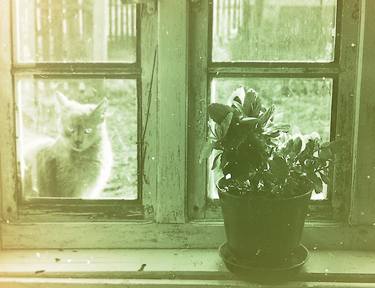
(169, 267)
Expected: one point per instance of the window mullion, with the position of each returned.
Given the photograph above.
(364, 138)
(348, 31)
(172, 114)
(8, 160)
(148, 145)
(198, 102)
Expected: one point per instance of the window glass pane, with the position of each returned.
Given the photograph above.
(274, 30)
(75, 31)
(305, 104)
(77, 138)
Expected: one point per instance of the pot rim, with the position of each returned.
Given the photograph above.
(221, 191)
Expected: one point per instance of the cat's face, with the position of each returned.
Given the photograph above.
(80, 124)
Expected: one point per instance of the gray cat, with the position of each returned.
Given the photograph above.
(78, 162)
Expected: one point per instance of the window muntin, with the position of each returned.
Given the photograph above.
(75, 31)
(41, 136)
(273, 30)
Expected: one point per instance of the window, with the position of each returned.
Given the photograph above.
(77, 91)
(293, 53)
(71, 102)
(266, 45)
(158, 71)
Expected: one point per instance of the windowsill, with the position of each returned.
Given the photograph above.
(165, 267)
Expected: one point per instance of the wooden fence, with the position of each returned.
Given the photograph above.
(76, 30)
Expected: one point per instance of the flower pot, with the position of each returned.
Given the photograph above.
(263, 232)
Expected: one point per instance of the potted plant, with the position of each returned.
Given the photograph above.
(267, 184)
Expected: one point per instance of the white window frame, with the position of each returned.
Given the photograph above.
(170, 163)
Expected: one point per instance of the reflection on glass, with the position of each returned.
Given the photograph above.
(75, 31)
(78, 138)
(305, 104)
(274, 30)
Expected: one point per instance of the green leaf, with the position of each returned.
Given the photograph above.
(218, 112)
(216, 160)
(307, 153)
(217, 145)
(218, 131)
(237, 100)
(236, 105)
(226, 123)
(279, 167)
(238, 95)
(318, 185)
(271, 132)
(249, 121)
(266, 116)
(250, 102)
(324, 178)
(224, 161)
(297, 145)
(257, 107)
(289, 146)
(211, 129)
(282, 127)
(274, 134)
(235, 138)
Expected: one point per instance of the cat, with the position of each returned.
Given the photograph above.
(78, 162)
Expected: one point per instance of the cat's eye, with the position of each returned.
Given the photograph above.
(70, 129)
(87, 130)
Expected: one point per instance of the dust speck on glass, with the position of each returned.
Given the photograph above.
(77, 136)
(282, 31)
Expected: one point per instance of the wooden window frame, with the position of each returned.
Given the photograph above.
(203, 208)
(174, 136)
(60, 210)
(341, 212)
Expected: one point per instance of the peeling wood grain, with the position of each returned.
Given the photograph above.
(316, 236)
(149, 34)
(7, 119)
(198, 101)
(172, 113)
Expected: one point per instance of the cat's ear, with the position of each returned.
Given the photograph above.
(100, 109)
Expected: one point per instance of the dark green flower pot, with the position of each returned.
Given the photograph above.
(263, 232)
